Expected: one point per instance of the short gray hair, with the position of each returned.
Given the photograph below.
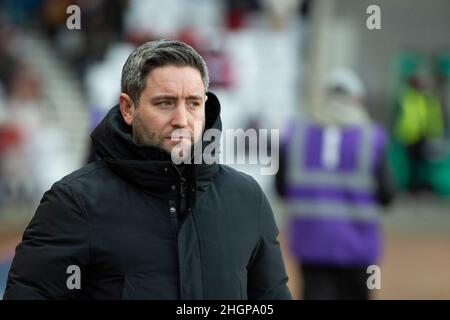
(155, 54)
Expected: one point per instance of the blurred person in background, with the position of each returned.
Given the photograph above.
(20, 118)
(334, 175)
(137, 225)
(23, 114)
(421, 127)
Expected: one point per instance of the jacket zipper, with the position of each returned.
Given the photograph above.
(177, 213)
(183, 200)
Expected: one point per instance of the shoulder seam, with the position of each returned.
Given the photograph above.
(82, 175)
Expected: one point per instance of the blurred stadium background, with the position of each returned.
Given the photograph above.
(266, 60)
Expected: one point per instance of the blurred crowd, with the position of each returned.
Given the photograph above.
(20, 118)
(234, 37)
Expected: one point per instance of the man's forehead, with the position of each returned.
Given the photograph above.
(172, 79)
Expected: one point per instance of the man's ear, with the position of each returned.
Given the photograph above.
(127, 108)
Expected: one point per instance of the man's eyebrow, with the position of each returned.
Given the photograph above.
(164, 97)
(170, 97)
(194, 97)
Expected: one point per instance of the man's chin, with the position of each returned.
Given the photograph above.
(180, 150)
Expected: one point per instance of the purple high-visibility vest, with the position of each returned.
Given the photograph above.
(331, 190)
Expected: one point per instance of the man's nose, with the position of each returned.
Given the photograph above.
(179, 119)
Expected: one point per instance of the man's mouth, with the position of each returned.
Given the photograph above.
(178, 138)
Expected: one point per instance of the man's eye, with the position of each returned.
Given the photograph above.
(165, 103)
(194, 104)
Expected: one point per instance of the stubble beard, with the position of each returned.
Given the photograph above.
(143, 137)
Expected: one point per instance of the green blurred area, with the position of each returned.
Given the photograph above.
(434, 172)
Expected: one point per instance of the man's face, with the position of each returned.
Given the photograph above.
(173, 98)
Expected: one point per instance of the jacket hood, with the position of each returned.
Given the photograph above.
(149, 167)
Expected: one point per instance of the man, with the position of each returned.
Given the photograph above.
(334, 174)
(420, 128)
(134, 225)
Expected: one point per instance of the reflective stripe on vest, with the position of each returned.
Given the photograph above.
(323, 192)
